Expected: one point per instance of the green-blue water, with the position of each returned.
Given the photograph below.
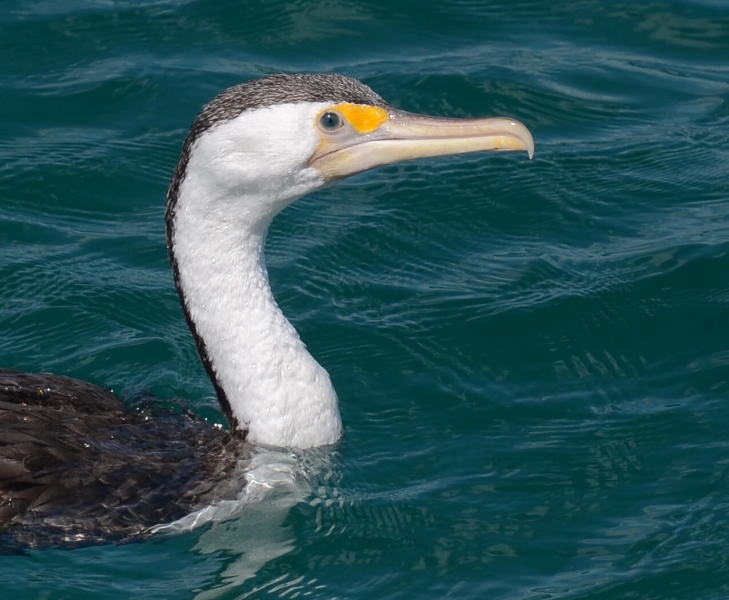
(532, 357)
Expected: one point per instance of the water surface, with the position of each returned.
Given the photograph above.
(532, 357)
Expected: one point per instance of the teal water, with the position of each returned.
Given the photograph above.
(532, 357)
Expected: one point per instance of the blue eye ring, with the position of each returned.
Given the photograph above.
(331, 121)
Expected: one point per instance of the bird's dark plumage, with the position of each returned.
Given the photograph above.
(76, 466)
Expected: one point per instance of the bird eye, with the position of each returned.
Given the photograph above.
(330, 121)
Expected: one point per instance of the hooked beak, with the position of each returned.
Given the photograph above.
(406, 136)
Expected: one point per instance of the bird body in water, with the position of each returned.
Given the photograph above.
(76, 464)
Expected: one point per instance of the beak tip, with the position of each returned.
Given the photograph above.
(528, 141)
(520, 133)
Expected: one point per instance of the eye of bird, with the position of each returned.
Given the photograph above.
(331, 121)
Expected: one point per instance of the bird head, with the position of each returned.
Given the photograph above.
(267, 142)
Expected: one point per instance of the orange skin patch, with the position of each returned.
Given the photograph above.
(363, 119)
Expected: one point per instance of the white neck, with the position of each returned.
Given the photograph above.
(276, 390)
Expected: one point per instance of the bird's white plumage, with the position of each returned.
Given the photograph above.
(239, 176)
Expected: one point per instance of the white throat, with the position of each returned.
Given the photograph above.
(232, 189)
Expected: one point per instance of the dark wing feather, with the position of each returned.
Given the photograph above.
(76, 466)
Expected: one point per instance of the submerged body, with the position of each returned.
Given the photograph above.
(78, 466)
(75, 464)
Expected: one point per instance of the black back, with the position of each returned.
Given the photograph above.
(76, 466)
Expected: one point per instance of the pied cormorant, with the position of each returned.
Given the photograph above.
(76, 465)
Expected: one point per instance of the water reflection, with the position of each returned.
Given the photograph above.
(249, 532)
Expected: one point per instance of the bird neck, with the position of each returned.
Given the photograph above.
(267, 382)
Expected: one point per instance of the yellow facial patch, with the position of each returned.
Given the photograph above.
(363, 119)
